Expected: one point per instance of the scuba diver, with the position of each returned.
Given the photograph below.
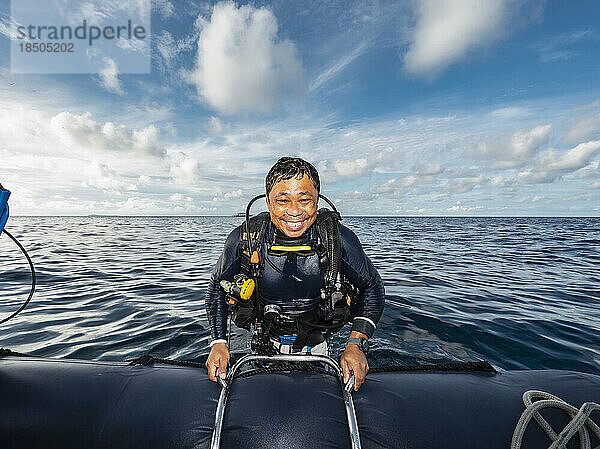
(294, 276)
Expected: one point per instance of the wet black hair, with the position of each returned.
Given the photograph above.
(291, 167)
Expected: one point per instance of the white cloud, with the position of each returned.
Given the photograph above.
(552, 165)
(337, 67)
(169, 49)
(184, 169)
(8, 27)
(464, 185)
(396, 184)
(561, 47)
(242, 66)
(109, 77)
(429, 169)
(419, 160)
(234, 194)
(462, 208)
(164, 7)
(216, 126)
(84, 132)
(446, 29)
(354, 168)
(514, 150)
(584, 129)
(590, 171)
(101, 176)
(511, 113)
(165, 44)
(178, 198)
(500, 181)
(595, 185)
(144, 180)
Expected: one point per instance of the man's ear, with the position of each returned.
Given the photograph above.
(268, 204)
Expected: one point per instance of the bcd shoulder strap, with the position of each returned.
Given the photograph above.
(251, 240)
(328, 227)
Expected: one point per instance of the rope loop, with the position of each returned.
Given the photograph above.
(580, 418)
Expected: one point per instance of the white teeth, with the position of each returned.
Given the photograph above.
(294, 225)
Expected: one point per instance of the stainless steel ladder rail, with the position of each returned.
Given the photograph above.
(346, 391)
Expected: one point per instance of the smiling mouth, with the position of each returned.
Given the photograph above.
(294, 225)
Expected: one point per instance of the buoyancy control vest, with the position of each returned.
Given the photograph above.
(337, 293)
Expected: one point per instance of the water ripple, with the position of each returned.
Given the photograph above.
(518, 292)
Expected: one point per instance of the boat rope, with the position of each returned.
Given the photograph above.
(5, 352)
(482, 366)
(579, 419)
(447, 366)
(33, 278)
(149, 360)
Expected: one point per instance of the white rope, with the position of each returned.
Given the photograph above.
(579, 419)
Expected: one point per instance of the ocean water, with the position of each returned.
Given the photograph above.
(521, 293)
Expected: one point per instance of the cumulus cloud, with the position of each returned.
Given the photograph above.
(446, 30)
(514, 150)
(500, 181)
(354, 168)
(465, 185)
(460, 207)
(552, 164)
(583, 129)
(242, 66)
(590, 171)
(101, 176)
(183, 168)
(178, 198)
(109, 77)
(144, 180)
(83, 131)
(233, 194)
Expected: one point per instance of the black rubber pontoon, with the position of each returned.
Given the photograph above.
(50, 403)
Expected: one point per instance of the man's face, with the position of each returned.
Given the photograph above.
(292, 204)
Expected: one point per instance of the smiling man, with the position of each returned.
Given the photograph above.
(311, 273)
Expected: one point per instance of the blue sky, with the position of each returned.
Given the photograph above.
(420, 107)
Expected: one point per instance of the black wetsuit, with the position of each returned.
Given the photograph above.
(298, 289)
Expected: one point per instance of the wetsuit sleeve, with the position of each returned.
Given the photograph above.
(360, 271)
(227, 266)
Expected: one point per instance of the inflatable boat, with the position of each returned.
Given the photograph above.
(50, 403)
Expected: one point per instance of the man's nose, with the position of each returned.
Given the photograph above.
(294, 208)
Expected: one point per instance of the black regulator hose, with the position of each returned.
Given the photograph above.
(32, 277)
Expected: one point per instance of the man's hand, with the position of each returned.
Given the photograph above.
(217, 361)
(353, 359)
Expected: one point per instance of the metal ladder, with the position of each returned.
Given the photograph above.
(346, 391)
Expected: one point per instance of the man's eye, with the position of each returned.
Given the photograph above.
(306, 201)
(282, 201)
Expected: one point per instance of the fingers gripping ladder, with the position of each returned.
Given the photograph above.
(346, 391)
